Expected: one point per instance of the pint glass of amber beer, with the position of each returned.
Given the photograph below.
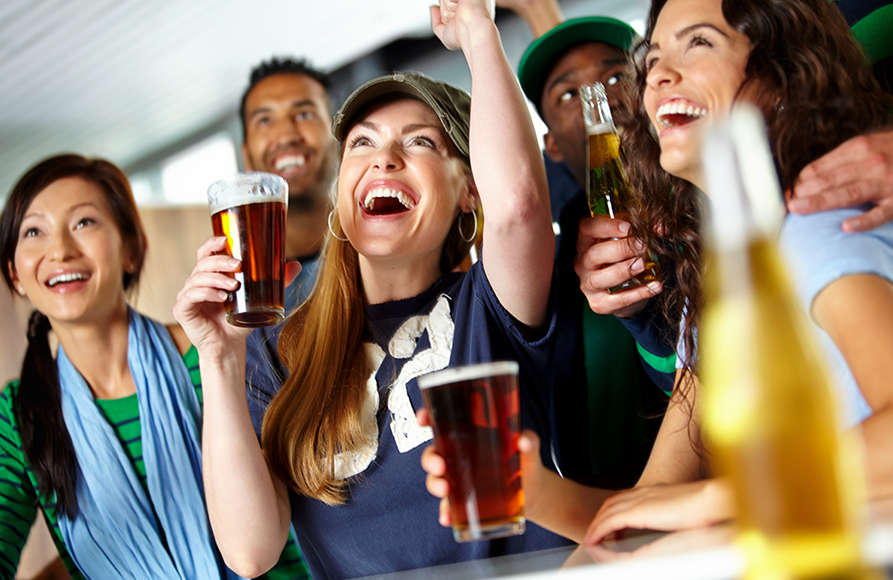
(475, 415)
(249, 209)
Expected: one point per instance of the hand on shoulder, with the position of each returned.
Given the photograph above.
(858, 172)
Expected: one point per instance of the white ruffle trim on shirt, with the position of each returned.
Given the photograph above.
(408, 434)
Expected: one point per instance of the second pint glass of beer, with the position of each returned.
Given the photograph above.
(249, 209)
(475, 415)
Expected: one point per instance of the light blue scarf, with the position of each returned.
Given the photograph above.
(116, 534)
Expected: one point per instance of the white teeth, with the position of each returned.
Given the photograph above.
(289, 161)
(398, 195)
(65, 278)
(680, 108)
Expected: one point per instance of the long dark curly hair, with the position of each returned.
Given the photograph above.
(816, 90)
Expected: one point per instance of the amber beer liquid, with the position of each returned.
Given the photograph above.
(250, 211)
(606, 185)
(475, 417)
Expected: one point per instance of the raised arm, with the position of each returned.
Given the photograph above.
(247, 505)
(519, 245)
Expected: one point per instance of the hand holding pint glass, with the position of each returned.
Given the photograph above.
(606, 187)
(474, 412)
(249, 209)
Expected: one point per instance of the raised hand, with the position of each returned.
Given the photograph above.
(453, 21)
(603, 262)
(199, 307)
(859, 171)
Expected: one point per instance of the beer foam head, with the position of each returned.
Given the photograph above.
(246, 188)
(600, 128)
(467, 373)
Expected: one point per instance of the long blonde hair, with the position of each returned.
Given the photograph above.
(317, 413)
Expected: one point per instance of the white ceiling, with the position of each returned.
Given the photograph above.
(121, 79)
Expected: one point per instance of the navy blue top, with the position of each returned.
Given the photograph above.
(390, 520)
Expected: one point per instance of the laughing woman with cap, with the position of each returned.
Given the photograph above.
(341, 445)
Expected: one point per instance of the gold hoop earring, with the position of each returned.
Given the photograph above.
(473, 219)
(332, 230)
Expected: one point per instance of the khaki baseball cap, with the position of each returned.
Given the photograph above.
(451, 104)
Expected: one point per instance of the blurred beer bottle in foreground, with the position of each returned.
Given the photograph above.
(769, 413)
(606, 187)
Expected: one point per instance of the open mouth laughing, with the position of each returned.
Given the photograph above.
(677, 113)
(386, 201)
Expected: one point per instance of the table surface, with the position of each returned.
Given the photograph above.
(700, 554)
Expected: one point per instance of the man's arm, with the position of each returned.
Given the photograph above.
(540, 15)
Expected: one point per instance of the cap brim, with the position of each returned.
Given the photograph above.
(449, 103)
(372, 91)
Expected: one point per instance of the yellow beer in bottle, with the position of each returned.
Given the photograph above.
(606, 187)
(769, 412)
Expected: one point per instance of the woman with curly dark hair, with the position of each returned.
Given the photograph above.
(796, 60)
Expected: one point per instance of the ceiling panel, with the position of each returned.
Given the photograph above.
(122, 79)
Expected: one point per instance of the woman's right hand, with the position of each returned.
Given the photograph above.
(604, 262)
(199, 307)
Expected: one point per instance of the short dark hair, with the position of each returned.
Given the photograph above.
(277, 66)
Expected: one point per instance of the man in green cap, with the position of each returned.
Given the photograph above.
(605, 386)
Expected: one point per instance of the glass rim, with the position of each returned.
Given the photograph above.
(467, 373)
(248, 176)
(240, 189)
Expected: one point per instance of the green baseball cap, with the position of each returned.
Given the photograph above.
(451, 104)
(875, 32)
(544, 52)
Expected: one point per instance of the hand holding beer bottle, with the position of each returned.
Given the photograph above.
(606, 185)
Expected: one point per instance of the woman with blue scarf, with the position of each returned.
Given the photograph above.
(105, 439)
